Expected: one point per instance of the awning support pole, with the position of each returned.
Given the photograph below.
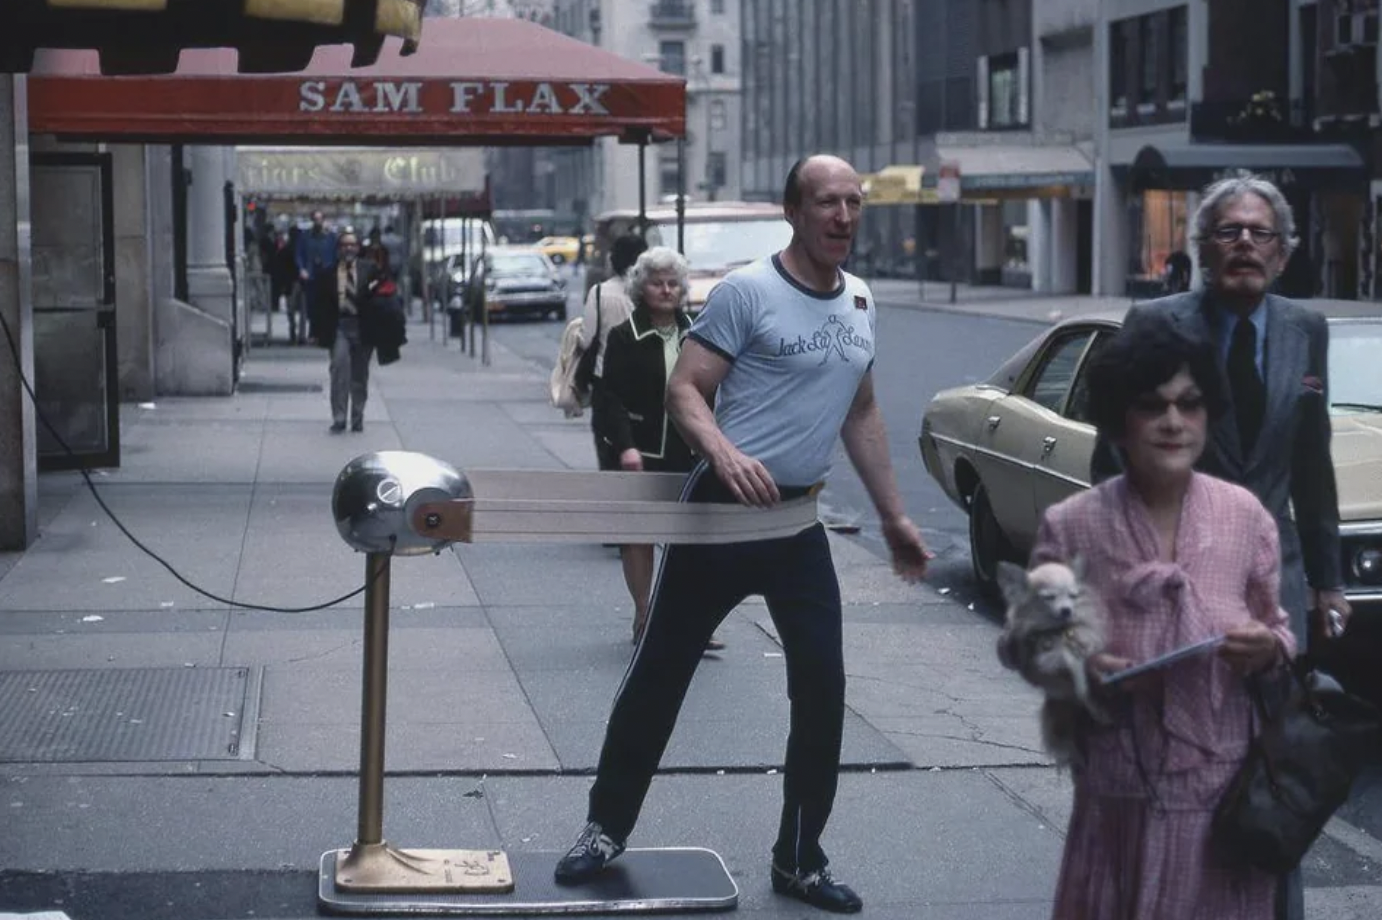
(681, 195)
(960, 250)
(642, 185)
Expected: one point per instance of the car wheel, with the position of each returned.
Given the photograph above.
(560, 313)
(987, 544)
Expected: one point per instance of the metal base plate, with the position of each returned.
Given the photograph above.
(639, 881)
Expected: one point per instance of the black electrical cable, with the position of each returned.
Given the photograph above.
(86, 476)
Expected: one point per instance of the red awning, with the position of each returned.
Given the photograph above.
(472, 81)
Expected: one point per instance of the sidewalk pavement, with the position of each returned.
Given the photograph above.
(164, 755)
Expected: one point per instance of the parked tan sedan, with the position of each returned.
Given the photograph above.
(1011, 446)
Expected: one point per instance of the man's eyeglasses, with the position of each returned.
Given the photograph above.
(1232, 233)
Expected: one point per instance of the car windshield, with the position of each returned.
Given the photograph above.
(519, 263)
(715, 245)
(1355, 374)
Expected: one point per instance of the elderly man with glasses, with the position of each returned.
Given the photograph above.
(1274, 440)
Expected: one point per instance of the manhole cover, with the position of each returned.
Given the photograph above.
(268, 386)
(137, 714)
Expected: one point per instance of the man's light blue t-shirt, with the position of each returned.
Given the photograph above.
(797, 356)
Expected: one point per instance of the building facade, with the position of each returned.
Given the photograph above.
(839, 77)
(696, 39)
(1194, 91)
(1081, 130)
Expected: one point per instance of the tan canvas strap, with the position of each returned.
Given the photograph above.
(537, 506)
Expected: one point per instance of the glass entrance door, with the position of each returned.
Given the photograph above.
(75, 374)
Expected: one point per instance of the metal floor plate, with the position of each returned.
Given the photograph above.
(124, 715)
(639, 881)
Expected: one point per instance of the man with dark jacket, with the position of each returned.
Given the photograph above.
(1274, 440)
(349, 321)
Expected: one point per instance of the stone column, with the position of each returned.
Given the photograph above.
(1041, 245)
(208, 279)
(18, 441)
(1064, 242)
(195, 342)
(134, 303)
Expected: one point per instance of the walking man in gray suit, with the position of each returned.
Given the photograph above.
(1274, 440)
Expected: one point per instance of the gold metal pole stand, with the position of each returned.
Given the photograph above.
(371, 864)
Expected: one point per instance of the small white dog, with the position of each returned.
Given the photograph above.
(1053, 624)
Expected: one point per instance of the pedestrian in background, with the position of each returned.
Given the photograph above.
(1177, 557)
(1275, 438)
(627, 405)
(607, 304)
(283, 281)
(316, 258)
(342, 322)
(776, 369)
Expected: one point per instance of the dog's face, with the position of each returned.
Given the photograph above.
(1046, 598)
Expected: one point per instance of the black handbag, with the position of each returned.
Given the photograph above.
(1299, 768)
(585, 365)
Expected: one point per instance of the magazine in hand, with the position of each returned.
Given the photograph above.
(1161, 661)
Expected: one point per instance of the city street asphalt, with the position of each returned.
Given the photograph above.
(165, 755)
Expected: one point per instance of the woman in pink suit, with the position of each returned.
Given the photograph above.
(1177, 557)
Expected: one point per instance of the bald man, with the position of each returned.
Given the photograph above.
(776, 367)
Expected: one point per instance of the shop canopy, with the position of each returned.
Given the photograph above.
(472, 81)
(145, 36)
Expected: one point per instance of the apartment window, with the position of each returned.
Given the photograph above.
(717, 7)
(1177, 54)
(1005, 88)
(1151, 65)
(1118, 68)
(715, 169)
(718, 118)
(667, 175)
(673, 57)
(1355, 23)
(717, 58)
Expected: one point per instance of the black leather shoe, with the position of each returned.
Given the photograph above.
(357, 425)
(593, 851)
(817, 889)
(337, 427)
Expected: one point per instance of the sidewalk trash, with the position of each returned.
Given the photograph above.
(114, 579)
(92, 618)
(148, 406)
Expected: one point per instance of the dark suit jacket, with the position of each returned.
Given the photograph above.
(627, 402)
(1290, 465)
(325, 312)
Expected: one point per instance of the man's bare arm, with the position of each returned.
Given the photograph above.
(690, 395)
(866, 442)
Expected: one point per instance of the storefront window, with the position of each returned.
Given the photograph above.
(1159, 220)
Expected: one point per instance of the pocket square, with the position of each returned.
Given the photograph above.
(1312, 383)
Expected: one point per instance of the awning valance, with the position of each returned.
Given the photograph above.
(1001, 168)
(473, 82)
(146, 36)
(305, 173)
(1191, 166)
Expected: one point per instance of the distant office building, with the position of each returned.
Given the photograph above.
(697, 39)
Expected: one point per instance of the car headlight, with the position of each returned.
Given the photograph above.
(1367, 565)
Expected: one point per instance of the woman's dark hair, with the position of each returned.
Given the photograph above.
(625, 251)
(1141, 357)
